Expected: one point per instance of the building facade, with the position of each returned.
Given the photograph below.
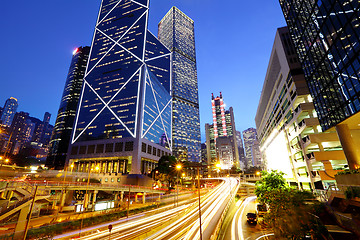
(289, 133)
(9, 111)
(223, 127)
(176, 32)
(241, 151)
(326, 39)
(123, 121)
(61, 136)
(250, 136)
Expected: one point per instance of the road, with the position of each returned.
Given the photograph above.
(212, 208)
(240, 229)
(180, 222)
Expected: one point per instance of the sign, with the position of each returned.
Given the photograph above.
(110, 227)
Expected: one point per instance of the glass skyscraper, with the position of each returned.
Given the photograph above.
(61, 136)
(326, 36)
(9, 111)
(176, 32)
(123, 121)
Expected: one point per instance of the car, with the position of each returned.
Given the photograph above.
(261, 209)
(251, 218)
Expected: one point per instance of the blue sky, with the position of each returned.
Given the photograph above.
(233, 45)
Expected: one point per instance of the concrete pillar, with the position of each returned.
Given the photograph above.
(351, 151)
(62, 198)
(121, 196)
(94, 200)
(116, 200)
(136, 198)
(21, 223)
(143, 198)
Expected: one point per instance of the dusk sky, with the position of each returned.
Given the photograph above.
(233, 44)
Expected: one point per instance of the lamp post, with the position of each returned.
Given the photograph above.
(218, 166)
(198, 175)
(178, 168)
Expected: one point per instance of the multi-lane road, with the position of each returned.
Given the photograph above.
(180, 222)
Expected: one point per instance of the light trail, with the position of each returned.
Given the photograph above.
(266, 235)
(236, 223)
(212, 207)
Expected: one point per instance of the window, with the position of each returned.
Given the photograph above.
(91, 149)
(100, 148)
(129, 146)
(119, 147)
(109, 147)
(74, 150)
(82, 150)
(143, 147)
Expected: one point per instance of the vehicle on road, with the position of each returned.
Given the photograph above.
(261, 209)
(251, 218)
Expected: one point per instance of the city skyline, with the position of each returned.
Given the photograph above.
(39, 79)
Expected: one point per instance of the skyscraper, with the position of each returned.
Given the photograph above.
(18, 132)
(290, 136)
(326, 39)
(240, 145)
(61, 136)
(125, 105)
(9, 111)
(223, 127)
(176, 32)
(250, 136)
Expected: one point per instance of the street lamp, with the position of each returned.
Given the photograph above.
(178, 168)
(218, 166)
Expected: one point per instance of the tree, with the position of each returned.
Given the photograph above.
(269, 181)
(289, 215)
(166, 170)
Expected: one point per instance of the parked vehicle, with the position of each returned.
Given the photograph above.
(261, 209)
(251, 218)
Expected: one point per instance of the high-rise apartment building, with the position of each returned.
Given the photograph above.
(326, 39)
(61, 136)
(223, 127)
(176, 32)
(123, 121)
(17, 132)
(250, 136)
(9, 111)
(289, 133)
(241, 151)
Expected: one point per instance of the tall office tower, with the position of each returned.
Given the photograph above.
(223, 127)
(250, 136)
(240, 146)
(9, 111)
(44, 134)
(41, 129)
(123, 121)
(18, 132)
(326, 39)
(30, 128)
(203, 153)
(256, 154)
(289, 133)
(210, 144)
(61, 136)
(176, 32)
